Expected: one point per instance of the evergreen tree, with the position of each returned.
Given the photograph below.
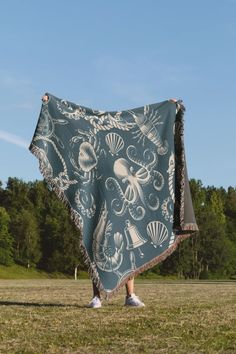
(214, 247)
(44, 235)
(230, 213)
(27, 239)
(60, 239)
(5, 238)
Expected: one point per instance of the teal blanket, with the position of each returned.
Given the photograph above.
(123, 176)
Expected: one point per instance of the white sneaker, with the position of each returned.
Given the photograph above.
(134, 301)
(95, 303)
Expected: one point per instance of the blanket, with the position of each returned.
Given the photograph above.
(123, 176)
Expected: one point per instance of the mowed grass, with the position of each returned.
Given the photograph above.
(50, 316)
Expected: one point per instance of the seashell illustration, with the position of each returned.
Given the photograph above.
(114, 142)
(158, 233)
(87, 157)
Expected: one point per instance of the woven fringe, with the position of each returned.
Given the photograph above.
(182, 183)
(150, 264)
(181, 166)
(190, 227)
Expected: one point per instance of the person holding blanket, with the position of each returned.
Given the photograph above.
(123, 176)
(130, 300)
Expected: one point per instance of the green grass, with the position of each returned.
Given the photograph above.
(49, 316)
(18, 272)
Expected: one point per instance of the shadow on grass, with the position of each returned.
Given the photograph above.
(37, 304)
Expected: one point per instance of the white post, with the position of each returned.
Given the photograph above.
(76, 271)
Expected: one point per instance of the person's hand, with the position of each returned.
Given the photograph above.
(45, 98)
(173, 100)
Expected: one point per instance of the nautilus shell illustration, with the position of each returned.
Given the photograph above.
(114, 142)
(158, 233)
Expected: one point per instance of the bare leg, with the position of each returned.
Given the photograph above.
(131, 298)
(129, 287)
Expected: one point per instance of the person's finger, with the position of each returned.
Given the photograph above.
(45, 98)
(173, 100)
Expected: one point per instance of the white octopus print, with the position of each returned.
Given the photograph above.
(133, 196)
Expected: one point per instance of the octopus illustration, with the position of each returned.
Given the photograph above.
(146, 173)
(133, 196)
(86, 160)
(147, 128)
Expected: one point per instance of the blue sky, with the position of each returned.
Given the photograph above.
(116, 55)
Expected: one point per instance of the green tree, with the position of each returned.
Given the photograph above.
(230, 212)
(214, 246)
(44, 235)
(27, 239)
(184, 262)
(16, 195)
(60, 239)
(5, 238)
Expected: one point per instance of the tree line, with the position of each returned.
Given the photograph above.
(36, 231)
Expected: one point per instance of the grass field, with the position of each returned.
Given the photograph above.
(15, 271)
(49, 316)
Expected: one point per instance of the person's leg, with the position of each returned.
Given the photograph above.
(129, 287)
(96, 292)
(96, 301)
(131, 299)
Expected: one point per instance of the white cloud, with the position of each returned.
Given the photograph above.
(13, 139)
